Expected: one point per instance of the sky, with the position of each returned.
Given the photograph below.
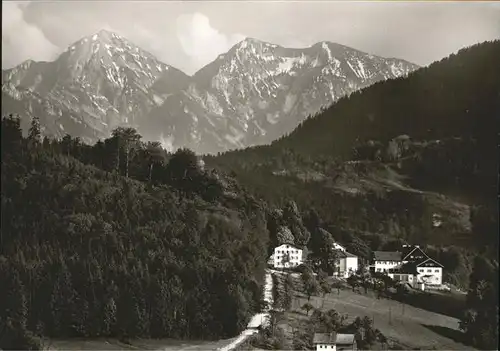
(191, 34)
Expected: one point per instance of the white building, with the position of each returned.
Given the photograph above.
(287, 256)
(334, 342)
(428, 271)
(385, 260)
(347, 264)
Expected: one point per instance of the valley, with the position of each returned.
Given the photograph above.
(144, 208)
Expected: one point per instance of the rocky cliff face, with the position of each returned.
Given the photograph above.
(98, 83)
(253, 94)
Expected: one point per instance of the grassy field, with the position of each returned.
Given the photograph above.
(409, 326)
(447, 303)
(145, 344)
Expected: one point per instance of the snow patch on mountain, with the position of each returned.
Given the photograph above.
(158, 100)
(289, 63)
(167, 142)
(250, 95)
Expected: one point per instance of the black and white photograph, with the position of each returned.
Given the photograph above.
(249, 175)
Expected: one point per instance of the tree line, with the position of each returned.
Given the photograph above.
(122, 239)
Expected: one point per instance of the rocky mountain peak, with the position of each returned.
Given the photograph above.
(252, 94)
(252, 45)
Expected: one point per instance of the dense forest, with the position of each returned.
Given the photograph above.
(153, 247)
(124, 239)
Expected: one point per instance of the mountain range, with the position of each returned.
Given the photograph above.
(251, 95)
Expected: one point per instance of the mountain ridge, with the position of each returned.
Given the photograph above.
(266, 89)
(252, 94)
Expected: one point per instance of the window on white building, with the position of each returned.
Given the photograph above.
(436, 270)
(429, 270)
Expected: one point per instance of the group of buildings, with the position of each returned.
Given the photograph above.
(410, 265)
(289, 256)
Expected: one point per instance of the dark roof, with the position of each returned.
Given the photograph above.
(412, 249)
(345, 339)
(288, 245)
(387, 255)
(325, 338)
(406, 249)
(405, 268)
(333, 338)
(345, 254)
(419, 261)
(428, 259)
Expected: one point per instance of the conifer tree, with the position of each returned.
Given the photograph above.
(35, 134)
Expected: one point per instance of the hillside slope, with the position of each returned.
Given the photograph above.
(413, 158)
(89, 253)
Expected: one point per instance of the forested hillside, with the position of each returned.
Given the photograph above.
(155, 247)
(457, 97)
(412, 159)
(124, 239)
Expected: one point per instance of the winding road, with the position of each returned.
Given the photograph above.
(258, 319)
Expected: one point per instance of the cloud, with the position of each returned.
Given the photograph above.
(21, 40)
(200, 41)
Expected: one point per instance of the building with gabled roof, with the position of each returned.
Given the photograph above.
(347, 264)
(334, 341)
(385, 260)
(411, 253)
(411, 264)
(429, 271)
